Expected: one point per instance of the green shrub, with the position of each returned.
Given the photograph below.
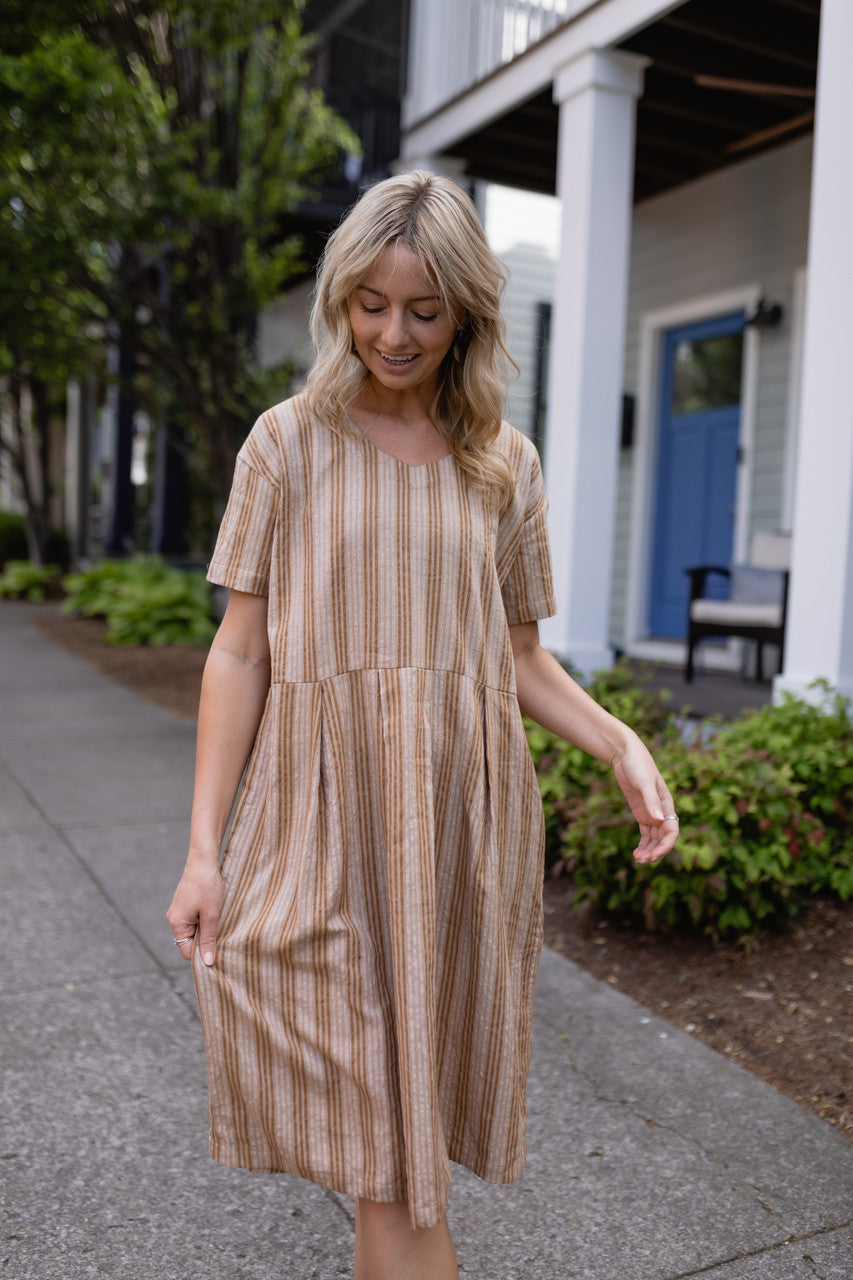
(817, 741)
(22, 580)
(94, 591)
(733, 869)
(144, 601)
(766, 807)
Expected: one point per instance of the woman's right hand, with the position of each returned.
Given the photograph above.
(197, 906)
(234, 689)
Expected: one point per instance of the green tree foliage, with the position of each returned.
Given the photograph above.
(149, 154)
(62, 107)
(235, 143)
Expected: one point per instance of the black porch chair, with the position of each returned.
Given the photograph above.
(757, 605)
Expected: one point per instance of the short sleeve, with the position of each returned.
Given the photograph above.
(243, 551)
(527, 587)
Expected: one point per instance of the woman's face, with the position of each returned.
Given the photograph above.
(401, 329)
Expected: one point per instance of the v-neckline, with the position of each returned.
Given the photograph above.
(392, 457)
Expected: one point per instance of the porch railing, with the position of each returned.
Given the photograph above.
(456, 43)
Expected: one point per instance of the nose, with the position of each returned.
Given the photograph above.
(394, 332)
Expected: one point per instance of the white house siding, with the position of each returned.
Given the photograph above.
(523, 229)
(743, 227)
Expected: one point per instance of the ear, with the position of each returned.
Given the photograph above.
(461, 319)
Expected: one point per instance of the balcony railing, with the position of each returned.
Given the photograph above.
(456, 43)
(511, 26)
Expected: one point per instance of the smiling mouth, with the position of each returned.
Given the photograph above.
(401, 360)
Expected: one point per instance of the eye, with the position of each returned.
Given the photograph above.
(371, 311)
(425, 319)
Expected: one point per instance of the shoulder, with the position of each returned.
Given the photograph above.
(523, 459)
(518, 450)
(281, 432)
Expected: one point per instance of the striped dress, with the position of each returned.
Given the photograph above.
(368, 1018)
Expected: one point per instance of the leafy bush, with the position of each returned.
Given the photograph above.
(766, 807)
(94, 591)
(22, 580)
(817, 740)
(144, 601)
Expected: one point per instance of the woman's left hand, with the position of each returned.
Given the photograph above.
(649, 799)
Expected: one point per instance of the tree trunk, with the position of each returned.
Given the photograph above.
(18, 451)
(41, 415)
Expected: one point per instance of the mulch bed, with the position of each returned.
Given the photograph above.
(781, 1007)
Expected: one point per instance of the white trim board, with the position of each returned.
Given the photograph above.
(653, 325)
(792, 424)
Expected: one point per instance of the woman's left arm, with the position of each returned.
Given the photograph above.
(553, 699)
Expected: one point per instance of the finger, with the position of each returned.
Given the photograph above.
(207, 939)
(184, 939)
(658, 843)
(654, 853)
(658, 801)
(658, 838)
(668, 804)
(660, 815)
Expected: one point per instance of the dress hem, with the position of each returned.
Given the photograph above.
(381, 1193)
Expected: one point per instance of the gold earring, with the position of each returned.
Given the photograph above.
(460, 345)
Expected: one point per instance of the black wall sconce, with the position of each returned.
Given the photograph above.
(626, 430)
(767, 315)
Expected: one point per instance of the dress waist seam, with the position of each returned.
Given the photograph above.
(441, 671)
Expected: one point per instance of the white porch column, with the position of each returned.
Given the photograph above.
(820, 614)
(597, 94)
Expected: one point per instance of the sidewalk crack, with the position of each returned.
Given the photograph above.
(634, 1110)
(793, 1240)
(334, 1198)
(62, 835)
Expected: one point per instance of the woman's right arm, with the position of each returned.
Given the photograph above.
(233, 693)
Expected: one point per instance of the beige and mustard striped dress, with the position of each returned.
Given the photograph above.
(368, 1017)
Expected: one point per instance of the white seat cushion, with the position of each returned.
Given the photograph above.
(736, 613)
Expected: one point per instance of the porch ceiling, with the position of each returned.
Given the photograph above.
(684, 128)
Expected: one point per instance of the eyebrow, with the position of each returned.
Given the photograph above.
(428, 297)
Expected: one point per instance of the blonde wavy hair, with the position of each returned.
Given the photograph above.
(437, 221)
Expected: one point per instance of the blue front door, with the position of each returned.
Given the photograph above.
(697, 461)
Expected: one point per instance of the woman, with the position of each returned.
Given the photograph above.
(366, 956)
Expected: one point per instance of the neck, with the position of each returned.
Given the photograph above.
(406, 406)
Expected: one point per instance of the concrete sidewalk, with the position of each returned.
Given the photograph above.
(651, 1157)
